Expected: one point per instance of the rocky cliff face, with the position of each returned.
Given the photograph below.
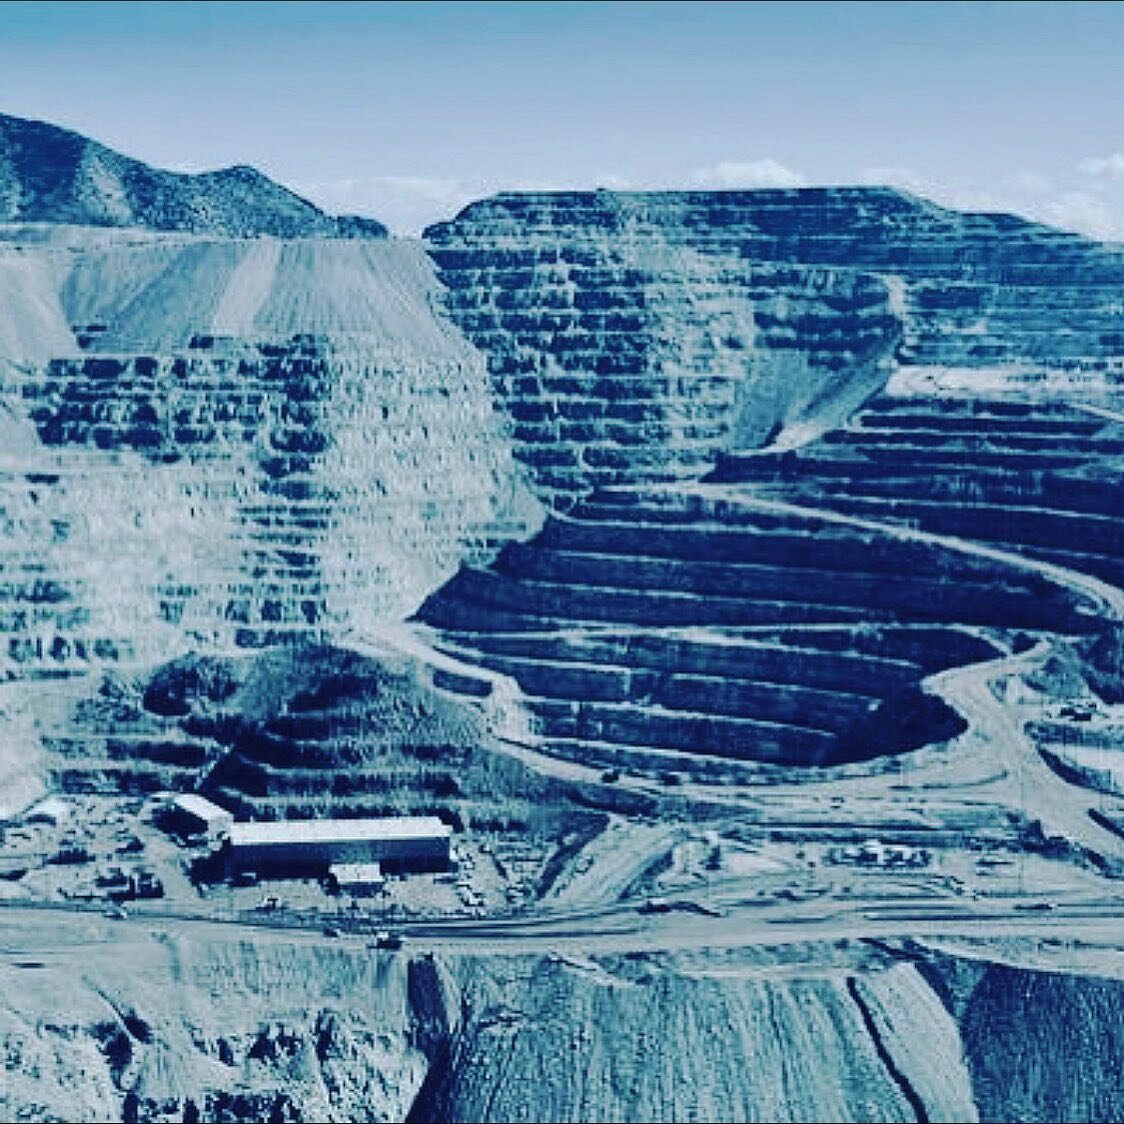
(53, 175)
(280, 438)
(630, 344)
(635, 335)
(981, 291)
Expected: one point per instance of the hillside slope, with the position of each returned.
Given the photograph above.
(48, 174)
(213, 1027)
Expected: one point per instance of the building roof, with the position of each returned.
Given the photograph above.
(338, 831)
(202, 808)
(351, 874)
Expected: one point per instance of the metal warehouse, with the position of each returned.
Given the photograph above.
(298, 847)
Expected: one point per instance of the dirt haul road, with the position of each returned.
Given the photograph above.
(35, 931)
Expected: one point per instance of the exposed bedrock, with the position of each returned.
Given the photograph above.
(1037, 478)
(633, 336)
(250, 443)
(628, 346)
(271, 439)
(317, 732)
(698, 626)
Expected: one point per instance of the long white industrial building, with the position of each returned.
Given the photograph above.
(300, 847)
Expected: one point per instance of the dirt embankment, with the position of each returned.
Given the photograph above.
(200, 1029)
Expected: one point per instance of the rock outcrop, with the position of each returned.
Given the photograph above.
(286, 439)
(1040, 478)
(635, 335)
(662, 631)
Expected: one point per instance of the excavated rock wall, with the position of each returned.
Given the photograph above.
(247, 443)
(713, 321)
(221, 441)
(979, 291)
(629, 346)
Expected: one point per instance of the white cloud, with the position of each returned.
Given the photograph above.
(408, 204)
(405, 203)
(1086, 213)
(613, 182)
(1110, 167)
(1096, 210)
(766, 172)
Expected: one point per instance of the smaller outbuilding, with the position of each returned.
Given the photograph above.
(191, 814)
(360, 880)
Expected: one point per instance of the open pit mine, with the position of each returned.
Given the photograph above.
(620, 656)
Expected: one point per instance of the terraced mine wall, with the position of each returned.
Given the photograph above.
(339, 506)
(974, 290)
(669, 630)
(192, 475)
(627, 348)
(223, 444)
(298, 732)
(634, 337)
(689, 323)
(239, 442)
(1038, 478)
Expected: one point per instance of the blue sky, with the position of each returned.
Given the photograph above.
(406, 111)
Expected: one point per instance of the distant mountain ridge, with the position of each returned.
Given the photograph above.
(49, 174)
